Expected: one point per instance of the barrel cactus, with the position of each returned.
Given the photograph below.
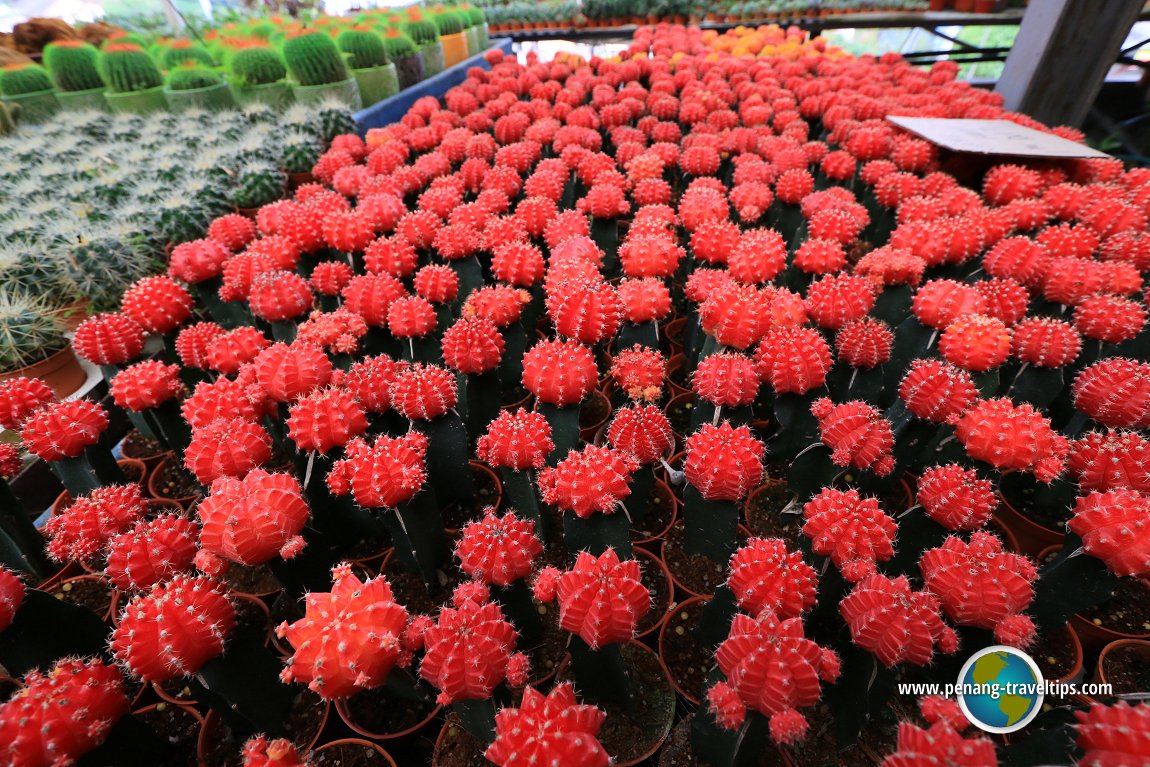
(364, 49)
(398, 45)
(127, 67)
(72, 64)
(183, 52)
(192, 77)
(314, 59)
(21, 79)
(29, 331)
(448, 23)
(258, 66)
(422, 31)
(258, 183)
(300, 152)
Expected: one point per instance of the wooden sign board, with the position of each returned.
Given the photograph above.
(994, 137)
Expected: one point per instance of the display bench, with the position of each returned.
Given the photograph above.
(390, 110)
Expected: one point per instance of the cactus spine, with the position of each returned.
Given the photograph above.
(314, 59)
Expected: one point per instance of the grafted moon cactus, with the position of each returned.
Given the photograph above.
(602, 599)
(62, 714)
(895, 623)
(1111, 736)
(174, 629)
(498, 550)
(1111, 524)
(766, 576)
(260, 752)
(548, 730)
(82, 530)
(349, 639)
(589, 480)
(384, 473)
(152, 551)
(857, 435)
(853, 531)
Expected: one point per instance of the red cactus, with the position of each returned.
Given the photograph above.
(857, 435)
(349, 639)
(549, 730)
(937, 391)
(650, 255)
(602, 599)
(975, 342)
(766, 576)
(836, 299)
(174, 629)
(518, 263)
(981, 585)
(1005, 299)
(1045, 342)
(956, 498)
(82, 530)
(233, 230)
(518, 441)
(774, 669)
(20, 397)
(469, 649)
(473, 346)
(410, 317)
(605, 201)
(63, 429)
(713, 241)
(864, 343)
(348, 231)
(193, 341)
(733, 315)
(639, 372)
(1110, 319)
(726, 379)
(222, 398)
(585, 310)
(559, 373)
(642, 431)
(371, 295)
(152, 551)
(588, 480)
(280, 295)
(894, 623)
(10, 461)
(325, 419)
(286, 373)
(644, 300)
(502, 304)
(232, 349)
(197, 261)
(109, 339)
(820, 257)
(1109, 523)
(329, 278)
(158, 304)
(62, 714)
(938, 303)
(853, 531)
(498, 550)
(11, 595)
(385, 473)
(146, 385)
(793, 359)
(1111, 460)
(423, 392)
(1113, 736)
(1010, 437)
(1115, 392)
(393, 256)
(757, 256)
(260, 752)
(723, 462)
(1069, 279)
(370, 379)
(940, 744)
(283, 251)
(227, 448)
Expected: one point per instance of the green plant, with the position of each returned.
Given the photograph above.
(34, 272)
(422, 31)
(191, 77)
(100, 260)
(314, 59)
(184, 52)
(399, 46)
(475, 16)
(258, 66)
(300, 153)
(259, 183)
(448, 23)
(72, 65)
(18, 80)
(364, 49)
(29, 330)
(125, 67)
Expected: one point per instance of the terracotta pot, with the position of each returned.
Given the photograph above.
(1140, 646)
(345, 715)
(937, 5)
(61, 371)
(668, 496)
(1071, 636)
(964, 6)
(113, 604)
(587, 433)
(674, 364)
(648, 560)
(358, 742)
(151, 460)
(985, 6)
(212, 722)
(1031, 536)
(186, 502)
(690, 696)
(1094, 636)
(71, 315)
(296, 180)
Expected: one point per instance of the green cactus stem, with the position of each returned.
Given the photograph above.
(21, 544)
(364, 49)
(417, 530)
(597, 533)
(183, 52)
(564, 422)
(35, 639)
(20, 80)
(72, 65)
(258, 66)
(710, 528)
(314, 59)
(127, 68)
(448, 466)
(187, 78)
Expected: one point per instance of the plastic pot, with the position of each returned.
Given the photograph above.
(1095, 636)
(377, 83)
(345, 715)
(454, 48)
(1140, 647)
(35, 107)
(409, 70)
(138, 102)
(214, 97)
(346, 91)
(185, 501)
(1031, 536)
(61, 371)
(433, 59)
(358, 742)
(647, 561)
(474, 46)
(277, 95)
(670, 624)
(79, 100)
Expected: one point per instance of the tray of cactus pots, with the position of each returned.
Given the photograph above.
(654, 410)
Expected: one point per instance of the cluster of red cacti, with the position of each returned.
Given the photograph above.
(260, 752)
(601, 599)
(518, 440)
(82, 530)
(894, 622)
(857, 435)
(853, 531)
(152, 551)
(109, 339)
(594, 479)
(498, 550)
(11, 595)
(383, 473)
(766, 576)
(63, 429)
(548, 729)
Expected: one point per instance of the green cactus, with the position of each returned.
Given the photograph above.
(72, 65)
(399, 46)
(187, 78)
(258, 66)
(422, 31)
(314, 59)
(29, 330)
(263, 30)
(364, 49)
(258, 183)
(335, 119)
(100, 261)
(127, 68)
(33, 271)
(300, 152)
(475, 16)
(183, 52)
(19, 80)
(448, 23)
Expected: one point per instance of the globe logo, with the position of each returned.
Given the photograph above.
(1000, 689)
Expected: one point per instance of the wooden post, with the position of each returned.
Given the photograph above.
(1061, 56)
